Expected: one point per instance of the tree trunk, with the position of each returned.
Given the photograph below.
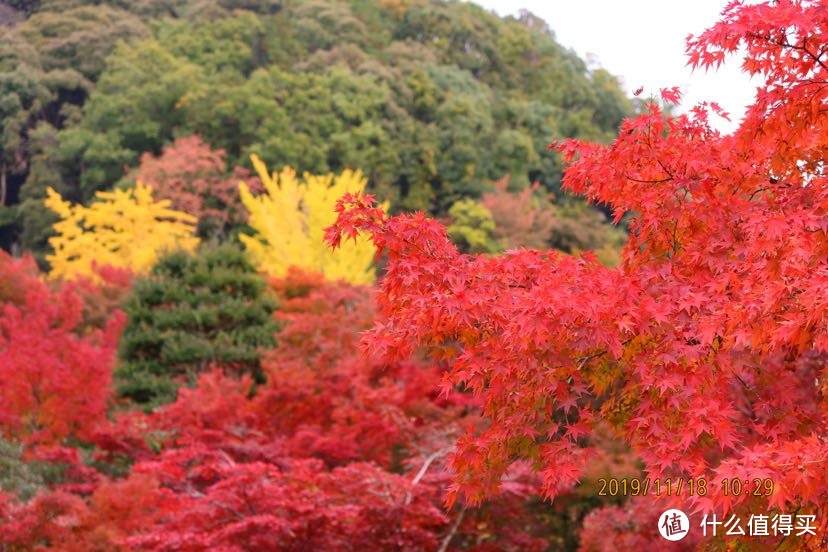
(3, 185)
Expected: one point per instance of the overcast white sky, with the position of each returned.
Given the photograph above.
(642, 41)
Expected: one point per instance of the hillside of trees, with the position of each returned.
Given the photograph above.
(433, 101)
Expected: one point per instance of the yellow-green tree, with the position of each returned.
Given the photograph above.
(290, 220)
(123, 228)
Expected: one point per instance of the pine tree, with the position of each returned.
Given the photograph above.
(191, 312)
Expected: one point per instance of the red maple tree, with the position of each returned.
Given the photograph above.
(706, 348)
(520, 220)
(333, 451)
(195, 178)
(55, 368)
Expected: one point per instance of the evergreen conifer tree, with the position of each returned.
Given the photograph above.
(191, 312)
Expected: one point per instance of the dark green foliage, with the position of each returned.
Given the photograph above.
(191, 312)
(431, 103)
(146, 9)
(48, 66)
(25, 6)
(432, 99)
(78, 39)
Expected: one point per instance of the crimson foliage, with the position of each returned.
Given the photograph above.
(709, 341)
(50, 359)
(195, 179)
(334, 451)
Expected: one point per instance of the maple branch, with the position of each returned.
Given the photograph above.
(226, 458)
(786, 536)
(813, 56)
(427, 463)
(675, 245)
(227, 508)
(247, 500)
(756, 396)
(758, 191)
(803, 463)
(453, 530)
(424, 468)
(786, 44)
(659, 181)
(583, 360)
(670, 173)
(750, 411)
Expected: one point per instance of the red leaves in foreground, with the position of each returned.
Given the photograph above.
(55, 369)
(335, 451)
(708, 345)
(297, 505)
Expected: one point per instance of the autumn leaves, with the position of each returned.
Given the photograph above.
(130, 229)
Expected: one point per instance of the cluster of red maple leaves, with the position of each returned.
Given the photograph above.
(704, 351)
(706, 348)
(336, 451)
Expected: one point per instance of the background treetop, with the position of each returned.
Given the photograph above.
(289, 220)
(124, 229)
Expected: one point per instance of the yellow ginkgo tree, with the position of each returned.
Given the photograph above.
(290, 220)
(122, 228)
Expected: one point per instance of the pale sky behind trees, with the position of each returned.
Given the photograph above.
(642, 42)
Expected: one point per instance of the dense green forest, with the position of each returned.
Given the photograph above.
(432, 100)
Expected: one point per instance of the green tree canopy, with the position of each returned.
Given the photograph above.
(191, 312)
(433, 99)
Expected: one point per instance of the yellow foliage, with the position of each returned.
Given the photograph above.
(290, 220)
(123, 228)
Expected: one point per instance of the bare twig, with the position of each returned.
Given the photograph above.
(427, 463)
(424, 468)
(227, 508)
(453, 530)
